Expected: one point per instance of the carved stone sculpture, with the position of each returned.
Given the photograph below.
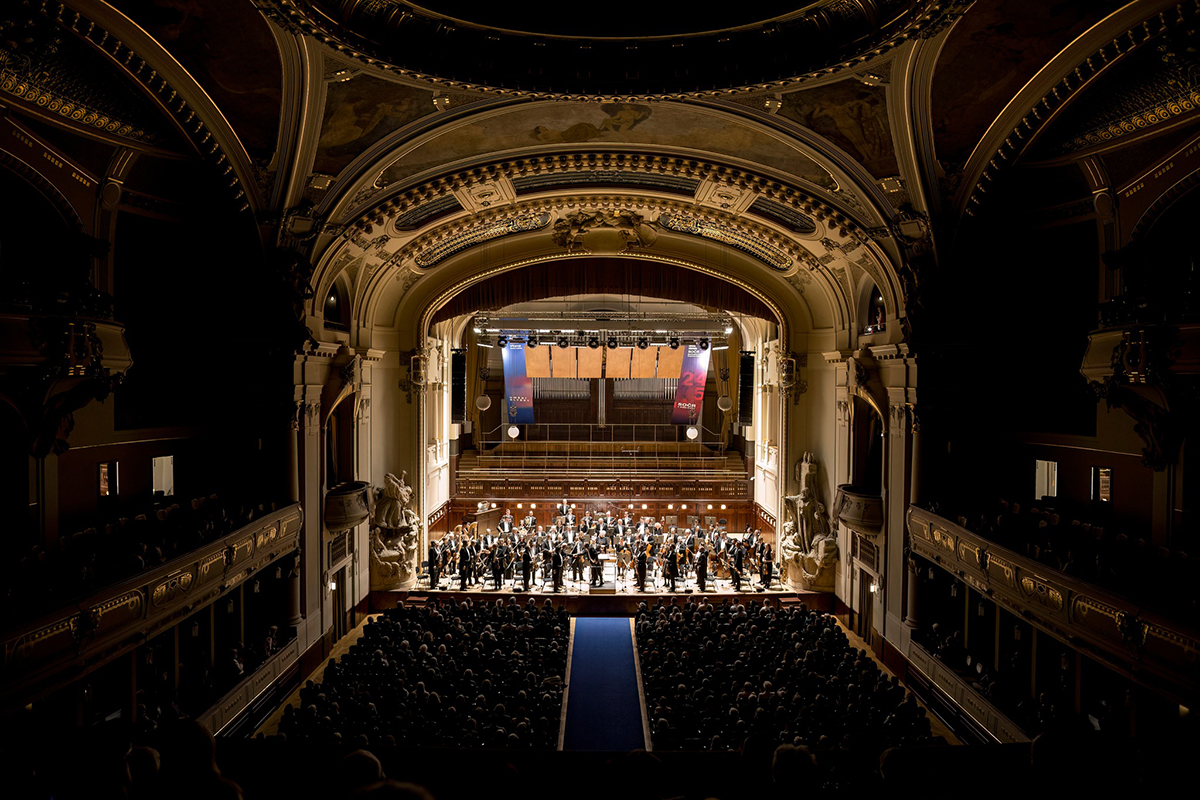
(393, 498)
(393, 562)
(395, 537)
(808, 546)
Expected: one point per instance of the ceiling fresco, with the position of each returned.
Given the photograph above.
(852, 115)
(361, 111)
(661, 125)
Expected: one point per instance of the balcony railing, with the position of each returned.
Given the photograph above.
(44, 653)
(1158, 652)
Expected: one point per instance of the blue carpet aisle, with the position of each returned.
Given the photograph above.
(604, 711)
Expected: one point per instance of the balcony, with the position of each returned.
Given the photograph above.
(347, 505)
(1137, 642)
(859, 510)
(42, 654)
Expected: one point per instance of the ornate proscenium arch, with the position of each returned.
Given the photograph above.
(601, 275)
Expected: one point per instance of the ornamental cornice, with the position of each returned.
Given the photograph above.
(445, 235)
(807, 202)
(166, 87)
(300, 20)
(1056, 86)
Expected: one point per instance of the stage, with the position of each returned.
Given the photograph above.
(616, 600)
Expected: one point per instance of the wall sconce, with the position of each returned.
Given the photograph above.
(644, 506)
(333, 586)
(981, 610)
(873, 588)
(416, 369)
(533, 505)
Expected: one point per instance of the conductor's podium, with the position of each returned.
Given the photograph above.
(608, 575)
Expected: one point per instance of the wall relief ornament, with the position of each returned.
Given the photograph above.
(631, 227)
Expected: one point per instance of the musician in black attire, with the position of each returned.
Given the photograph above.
(526, 565)
(701, 568)
(464, 566)
(497, 556)
(739, 560)
(556, 568)
(434, 563)
(577, 554)
(641, 570)
(594, 561)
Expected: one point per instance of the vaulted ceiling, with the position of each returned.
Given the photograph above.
(831, 145)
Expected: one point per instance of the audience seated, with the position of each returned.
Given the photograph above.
(715, 676)
(445, 674)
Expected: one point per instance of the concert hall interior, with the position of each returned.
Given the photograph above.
(800, 392)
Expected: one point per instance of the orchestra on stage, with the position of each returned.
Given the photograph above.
(646, 555)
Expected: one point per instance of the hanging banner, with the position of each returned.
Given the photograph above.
(518, 387)
(689, 395)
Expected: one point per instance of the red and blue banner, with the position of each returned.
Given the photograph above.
(689, 395)
(518, 386)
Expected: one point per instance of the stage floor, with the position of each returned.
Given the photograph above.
(620, 599)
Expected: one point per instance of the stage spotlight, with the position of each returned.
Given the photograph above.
(532, 341)
(612, 343)
(564, 342)
(502, 341)
(593, 342)
(674, 342)
(704, 344)
(643, 343)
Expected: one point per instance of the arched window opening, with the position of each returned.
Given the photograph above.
(876, 316)
(337, 310)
